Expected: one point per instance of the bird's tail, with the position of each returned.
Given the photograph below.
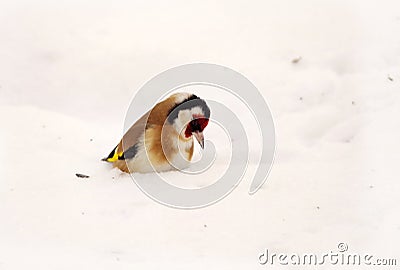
(113, 156)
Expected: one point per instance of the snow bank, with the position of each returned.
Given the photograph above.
(69, 70)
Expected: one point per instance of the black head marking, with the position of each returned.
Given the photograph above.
(189, 103)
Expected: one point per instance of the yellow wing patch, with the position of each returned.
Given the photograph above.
(114, 156)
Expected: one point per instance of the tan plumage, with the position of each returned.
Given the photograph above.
(162, 138)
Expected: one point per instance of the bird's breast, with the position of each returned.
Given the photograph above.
(162, 150)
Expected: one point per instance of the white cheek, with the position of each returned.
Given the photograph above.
(184, 117)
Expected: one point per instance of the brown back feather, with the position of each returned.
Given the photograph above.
(156, 117)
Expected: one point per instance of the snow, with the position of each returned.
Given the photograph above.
(68, 71)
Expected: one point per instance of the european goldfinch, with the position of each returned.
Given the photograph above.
(162, 139)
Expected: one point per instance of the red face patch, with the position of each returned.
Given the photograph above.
(203, 122)
(198, 124)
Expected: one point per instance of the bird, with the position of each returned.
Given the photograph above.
(162, 139)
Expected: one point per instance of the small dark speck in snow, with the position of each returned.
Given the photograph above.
(296, 60)
(79, 175)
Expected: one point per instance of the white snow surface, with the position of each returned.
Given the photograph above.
(68, 70)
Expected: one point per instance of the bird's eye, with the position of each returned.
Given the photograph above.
(194, 124)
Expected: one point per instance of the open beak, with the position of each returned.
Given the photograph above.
(199, 137)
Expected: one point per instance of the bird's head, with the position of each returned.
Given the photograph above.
(189, 116)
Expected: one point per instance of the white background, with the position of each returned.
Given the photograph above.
(69, 69)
